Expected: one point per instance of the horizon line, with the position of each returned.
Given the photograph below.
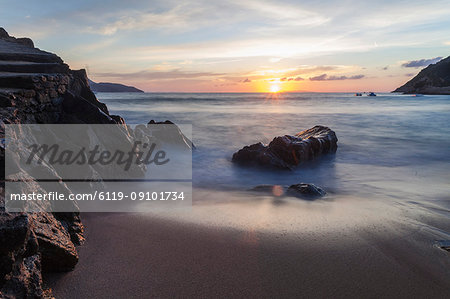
(249, 92)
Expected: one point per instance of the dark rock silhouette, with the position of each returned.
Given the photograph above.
(434, 79)
(306, 191)
(38, 87)
(288, 151)
(20, 266)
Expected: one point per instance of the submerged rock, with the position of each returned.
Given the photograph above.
(303, 190)
(288, 151)
(443, 244)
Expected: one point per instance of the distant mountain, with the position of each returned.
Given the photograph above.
(434, 79)
(112, 87)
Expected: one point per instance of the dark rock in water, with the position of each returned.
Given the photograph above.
(302, 190)
(434, 79)
(289, 151)
(307, 191)
(443, 244)
(112, 87)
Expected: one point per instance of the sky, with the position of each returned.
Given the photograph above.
(239, 45)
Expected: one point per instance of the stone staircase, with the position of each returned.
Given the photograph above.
(22, 65)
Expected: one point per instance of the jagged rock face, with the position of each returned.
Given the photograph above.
(288, 151)
(20, 268)
(55, 245)
(31, 242)
(38, 87)
(434, 79)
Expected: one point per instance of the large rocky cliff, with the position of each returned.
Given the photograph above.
(38, 87)
(434, 79)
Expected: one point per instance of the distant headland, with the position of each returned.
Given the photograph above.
(112, 87)
(434, 79)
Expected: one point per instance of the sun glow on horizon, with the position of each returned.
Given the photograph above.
(275, 88)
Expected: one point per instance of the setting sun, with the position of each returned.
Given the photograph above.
(274, 88)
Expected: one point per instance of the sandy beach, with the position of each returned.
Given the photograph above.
(339, 248)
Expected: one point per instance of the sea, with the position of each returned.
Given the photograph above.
(391, 147)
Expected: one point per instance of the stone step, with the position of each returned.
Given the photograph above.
(30, 57)
(30, 67)
(17, 80)
(14, 51)
(22, 80)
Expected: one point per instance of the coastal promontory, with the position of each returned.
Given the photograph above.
(434, 79)
(111, 87)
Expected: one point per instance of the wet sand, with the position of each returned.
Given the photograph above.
(264, 248)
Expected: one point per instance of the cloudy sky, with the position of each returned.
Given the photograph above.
(220, 45)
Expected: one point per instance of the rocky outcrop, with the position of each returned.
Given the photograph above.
(38, 87)
(112, 87)
(169, 133)
(25, 41)
(288, 151)
(434, 79)
(20, 267)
